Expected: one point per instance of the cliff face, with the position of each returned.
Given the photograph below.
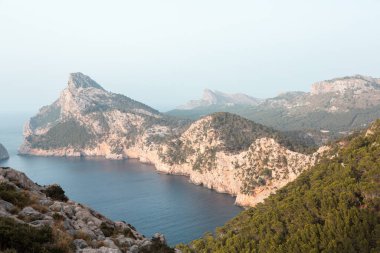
(64, 224)
(3, 152)
(222, 151)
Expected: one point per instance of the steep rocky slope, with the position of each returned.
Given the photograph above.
(37, 218)
(339, 106)
(333, 207)
(3, 152)
(222, 151)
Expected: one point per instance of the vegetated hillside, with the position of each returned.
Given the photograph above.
(333, 207)
(232, 133)
(338, 106)
(43, 220)
(232, 154)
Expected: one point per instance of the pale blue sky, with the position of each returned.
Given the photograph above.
(164, 53)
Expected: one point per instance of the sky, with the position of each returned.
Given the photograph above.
(164, 53)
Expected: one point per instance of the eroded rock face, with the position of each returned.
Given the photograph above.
(3, 153)
(88, 230)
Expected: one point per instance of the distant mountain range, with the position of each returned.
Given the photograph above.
(211, 98)
(338, 106)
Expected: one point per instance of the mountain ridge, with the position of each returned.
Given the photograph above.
(354, 100)
(219, 98)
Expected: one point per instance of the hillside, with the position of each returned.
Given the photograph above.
(222, 151)
(339, 106)
(41, 219)
(231, 154)
(333, 207)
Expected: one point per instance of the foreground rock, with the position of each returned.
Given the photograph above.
(72, 227)
(3, 153)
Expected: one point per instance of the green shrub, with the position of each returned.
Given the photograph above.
(24, 238)
(107, 229)
(55, 192)
(10, 194)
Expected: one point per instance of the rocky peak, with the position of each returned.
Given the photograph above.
(79, 80)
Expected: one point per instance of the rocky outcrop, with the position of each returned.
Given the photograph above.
(3, 153)
(222, 151)
(72, 223)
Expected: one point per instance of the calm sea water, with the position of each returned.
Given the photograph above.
(125, 190)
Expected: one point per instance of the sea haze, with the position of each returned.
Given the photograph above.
(125, 190)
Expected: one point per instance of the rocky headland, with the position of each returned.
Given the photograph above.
(3, 153)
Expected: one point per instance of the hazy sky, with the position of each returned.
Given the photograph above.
(164, 53)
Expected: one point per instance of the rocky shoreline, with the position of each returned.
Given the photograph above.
(223, 178)
(24, 202)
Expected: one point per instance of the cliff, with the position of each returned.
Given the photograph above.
(222, 151)
(37, 218)
(3, 152)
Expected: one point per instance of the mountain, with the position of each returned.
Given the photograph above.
(37, 218)
(212, 98)
(333, 207)
(336, 106)
(87, 120)
(222, 151)
(3, 152)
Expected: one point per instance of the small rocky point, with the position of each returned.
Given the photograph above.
(3, 153)
(83, 229)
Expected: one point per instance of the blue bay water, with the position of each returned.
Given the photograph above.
(125, 190)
